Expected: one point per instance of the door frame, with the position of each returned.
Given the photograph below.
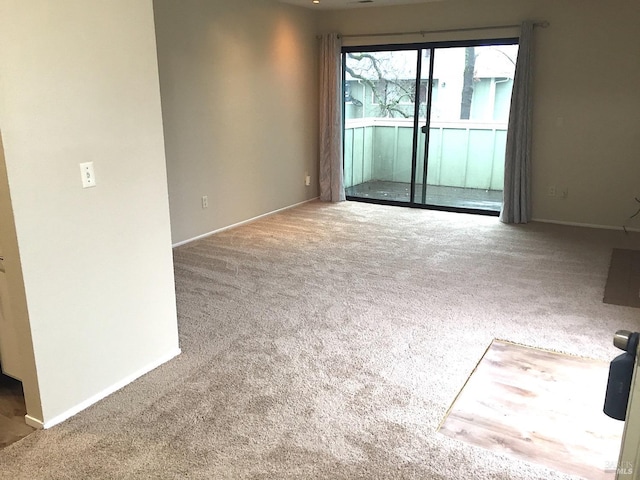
(628, 467)
(418, 47)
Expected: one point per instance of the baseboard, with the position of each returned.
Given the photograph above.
(586, 225)
(244, 222)
(34, 422)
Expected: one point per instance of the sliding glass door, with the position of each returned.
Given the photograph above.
(426, 125)
(380, 105)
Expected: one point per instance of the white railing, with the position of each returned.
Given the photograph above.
(464, 153)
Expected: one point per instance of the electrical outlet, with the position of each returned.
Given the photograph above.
(307, 179)
(205, 201)
(551, 191)
(564, 193)
(88, 175)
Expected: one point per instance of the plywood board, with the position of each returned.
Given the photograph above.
(540, 406)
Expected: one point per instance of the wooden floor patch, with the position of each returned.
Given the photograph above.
(539, 406)
(623, 281)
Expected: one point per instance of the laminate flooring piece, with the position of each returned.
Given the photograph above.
(12, 412)
(540, 406)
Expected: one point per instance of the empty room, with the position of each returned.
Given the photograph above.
(339, 240)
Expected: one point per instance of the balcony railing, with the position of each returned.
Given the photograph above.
(464, 153)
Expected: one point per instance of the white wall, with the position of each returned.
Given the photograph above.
(239, 98)
(587, 84)
(80, 83)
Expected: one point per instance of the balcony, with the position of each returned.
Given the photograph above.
(466, 162)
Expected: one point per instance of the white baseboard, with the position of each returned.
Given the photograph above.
(36, 423)
(33, 422)
(585, 225)
(244, 222)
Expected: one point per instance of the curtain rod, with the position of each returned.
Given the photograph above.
(448, 30)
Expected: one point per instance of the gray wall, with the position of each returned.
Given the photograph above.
(587, 105)
(239, 99)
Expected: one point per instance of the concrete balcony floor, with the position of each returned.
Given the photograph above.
(456, 197)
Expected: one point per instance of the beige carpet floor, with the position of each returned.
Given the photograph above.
(329, 341)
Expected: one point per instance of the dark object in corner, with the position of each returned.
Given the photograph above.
(620, 375)
(624, 227)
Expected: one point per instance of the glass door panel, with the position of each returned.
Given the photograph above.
(379, 131)
(463, 148)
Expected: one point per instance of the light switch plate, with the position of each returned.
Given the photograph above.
(88, 175)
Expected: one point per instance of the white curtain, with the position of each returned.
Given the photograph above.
(331, 176)
(516, 206)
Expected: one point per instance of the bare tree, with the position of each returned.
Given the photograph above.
(467, 86)
(389, 91)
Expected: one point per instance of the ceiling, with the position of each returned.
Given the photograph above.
(342, 4)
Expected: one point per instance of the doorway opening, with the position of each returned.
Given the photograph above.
(426, 125)
(12, 412)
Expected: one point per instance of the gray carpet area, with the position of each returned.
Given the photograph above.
(328, 342)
